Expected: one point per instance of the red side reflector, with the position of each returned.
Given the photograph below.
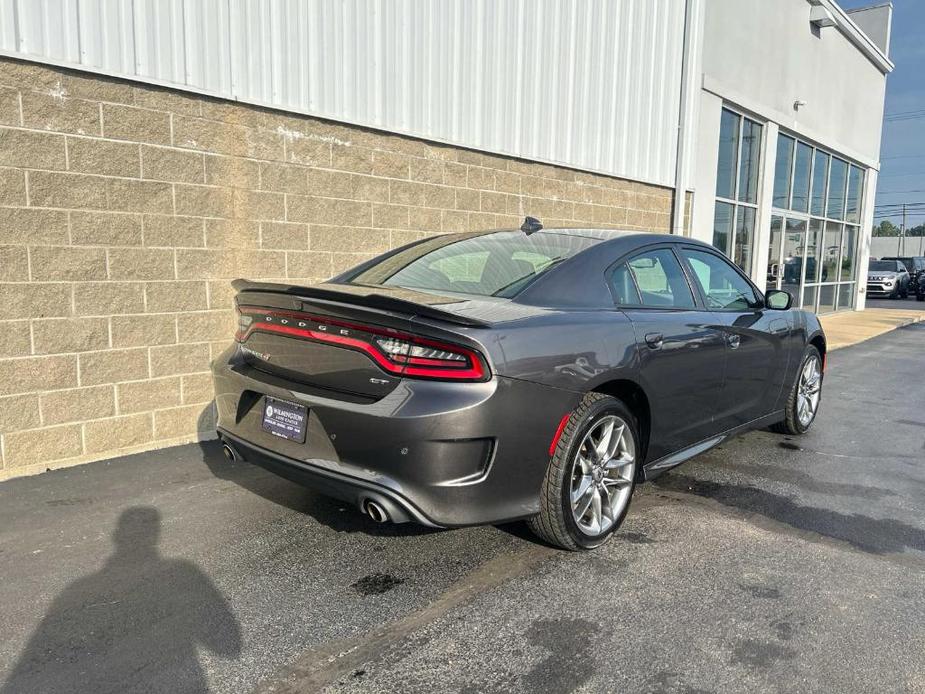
(559, 430)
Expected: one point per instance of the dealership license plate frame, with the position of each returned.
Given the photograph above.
(285, 419)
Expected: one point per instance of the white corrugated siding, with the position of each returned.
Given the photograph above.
(592, 84)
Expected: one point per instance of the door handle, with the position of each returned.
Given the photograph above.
(654, 340)
(734, 340)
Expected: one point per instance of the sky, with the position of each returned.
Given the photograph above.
(902, 152)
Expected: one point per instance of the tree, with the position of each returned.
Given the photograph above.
(916, 231)
(886, 228)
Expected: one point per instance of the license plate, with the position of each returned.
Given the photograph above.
(285, 419)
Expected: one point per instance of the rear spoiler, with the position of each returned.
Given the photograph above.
(376, 301)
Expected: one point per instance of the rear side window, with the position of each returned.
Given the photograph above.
(624, 288)
(724, 288)
(660, 281)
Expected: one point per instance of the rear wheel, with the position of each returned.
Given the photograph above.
(803, 401)
(591, 476)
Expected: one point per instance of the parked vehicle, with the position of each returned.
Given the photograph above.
(887, 278)
(915, 266)
(486, 377)
(920, 289)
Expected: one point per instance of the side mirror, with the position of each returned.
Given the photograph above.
(776, 300)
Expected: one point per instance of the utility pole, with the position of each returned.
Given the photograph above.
(902, 233)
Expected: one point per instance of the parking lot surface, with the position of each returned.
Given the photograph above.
(769, 564)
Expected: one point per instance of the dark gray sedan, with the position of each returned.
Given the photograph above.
(492, 376)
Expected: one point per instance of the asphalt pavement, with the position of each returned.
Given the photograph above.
(770, 564)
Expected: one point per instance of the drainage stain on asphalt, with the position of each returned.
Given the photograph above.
(762, 592)
(872, 535)
(569, 642)
(376, 584)
(635, 538)
(760, 655)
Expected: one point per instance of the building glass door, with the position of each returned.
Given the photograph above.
(815, 226)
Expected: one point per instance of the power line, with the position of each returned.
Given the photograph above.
(904, 156)
(905, 113)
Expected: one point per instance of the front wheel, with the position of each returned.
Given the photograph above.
(803, 401)
(920, 297)
(590, 479)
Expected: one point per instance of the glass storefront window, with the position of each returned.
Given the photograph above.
(794, 257)
(813, 254)
(744, 238)
(820, 176)
(846, 296)
(849, 247)
(801, 166)
(810, 294)
(817, 198)
(838, 179)
(855, 184)
(831, 247)
(782, 171)
(728, 154)
(738, 166)
(749, 161)
(827, 296)
(722, 226)
(774, 255)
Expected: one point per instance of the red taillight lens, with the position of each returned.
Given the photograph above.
(396, 352)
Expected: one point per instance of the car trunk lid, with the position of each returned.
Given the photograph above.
(350, 339)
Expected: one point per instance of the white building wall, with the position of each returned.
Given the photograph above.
(761, 57)
(765, 56)
(590, 84)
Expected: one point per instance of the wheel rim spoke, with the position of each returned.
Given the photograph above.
(583, 486)
(596, 515)
(603, 444)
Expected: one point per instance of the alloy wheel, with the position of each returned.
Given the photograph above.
(602, 475)
(809, 391)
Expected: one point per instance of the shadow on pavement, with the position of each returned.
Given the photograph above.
(134, 625)
(872, 535)
(333, 513)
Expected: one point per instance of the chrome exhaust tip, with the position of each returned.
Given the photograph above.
(375, 511)
(229, 453)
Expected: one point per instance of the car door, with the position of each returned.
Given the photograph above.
(681, 353)
(757, 338)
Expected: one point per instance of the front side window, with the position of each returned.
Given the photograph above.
(722, 286)
(660, 280)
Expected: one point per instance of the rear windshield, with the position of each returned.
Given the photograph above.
(883, 265)
(908, 262)
(497, 264)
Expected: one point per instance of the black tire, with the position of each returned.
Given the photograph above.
(555, 522)
(791, 423)
(920, 297)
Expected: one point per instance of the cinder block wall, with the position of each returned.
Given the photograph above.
(125, 211)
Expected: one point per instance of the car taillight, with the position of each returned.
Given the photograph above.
(397, 352)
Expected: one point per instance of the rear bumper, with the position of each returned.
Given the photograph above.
(437, 453)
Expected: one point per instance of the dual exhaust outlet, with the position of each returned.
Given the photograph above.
(370, 507)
